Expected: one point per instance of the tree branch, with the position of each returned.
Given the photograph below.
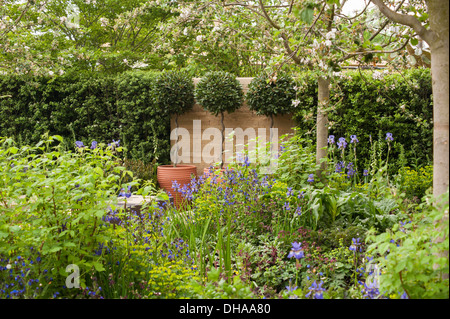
(427, 35)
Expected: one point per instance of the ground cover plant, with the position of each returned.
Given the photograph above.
(239, 235)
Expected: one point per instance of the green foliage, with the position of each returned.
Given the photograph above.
(218, 288)
(87, 107)
(370, 102)
(296, 162)
(219, 92)
(145, 125)
(52, 208)
(413, 255)
(415, 182)
(271, 96)
(174, 91)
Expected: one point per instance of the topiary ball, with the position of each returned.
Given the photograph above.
(175, 91)
(267, 96)
(219, 92)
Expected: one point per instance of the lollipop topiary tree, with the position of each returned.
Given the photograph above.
(271, 95)
(219, 92)
(175, 93)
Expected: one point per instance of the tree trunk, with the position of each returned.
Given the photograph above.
(223, 139)
(439, 22)
(438, 11)
(322, 123)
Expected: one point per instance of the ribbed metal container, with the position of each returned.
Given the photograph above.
(166, 174)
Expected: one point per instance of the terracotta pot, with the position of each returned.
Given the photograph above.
(167, 174)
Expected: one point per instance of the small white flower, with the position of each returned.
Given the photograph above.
(185, 31)
(125, 61)
(105, 45)
(139, 65)
(104, 22)
(295, 103)
(8, 266)
(63, 19)
(61, 72)
(50, 73)
(328, 43)
(199, 38)
(330, 35)
(315, 44)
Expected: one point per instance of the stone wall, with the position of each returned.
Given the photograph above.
(242, 118)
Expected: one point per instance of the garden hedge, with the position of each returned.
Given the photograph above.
(88, 107)
(99, 107)
(370, 104)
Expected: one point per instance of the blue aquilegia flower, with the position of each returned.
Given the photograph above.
(310, 178)
(331, 139)
(365, 172)
(339, 166)
(355, 244)
(79, 144)
(342, 144)
(354, 139)
(176, 186)
(298, 210)
(94, 145)
(290, 289)
(296, 251)
(370, 290)
(389, 137)
(125, 194)
(350, 170)
(114, 144)
(289, 192)
(286, 206)
(316, 291)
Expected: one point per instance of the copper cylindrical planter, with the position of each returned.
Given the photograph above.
(182, 174)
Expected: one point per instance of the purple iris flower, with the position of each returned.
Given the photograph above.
(342, 144)
(79, 144)
(316, 290)
(389, 137)
(296, 251)
(354, 246)
(331, 139)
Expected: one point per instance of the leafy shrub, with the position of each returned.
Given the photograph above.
(174, 92)
(87, 107)
(217, 288)
(219, 92)
(368, 102)
(413, 256)
(145, 124)
(53, 203)
(296, 162)
(415, 182)
(268, 96)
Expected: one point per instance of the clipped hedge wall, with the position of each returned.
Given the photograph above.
(376, 104)
(88, 107)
